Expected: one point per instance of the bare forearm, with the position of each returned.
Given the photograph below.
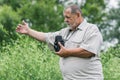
(37, 35)
(79, 52)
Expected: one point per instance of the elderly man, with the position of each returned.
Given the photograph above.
(79, 57)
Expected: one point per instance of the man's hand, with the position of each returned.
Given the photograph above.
(75, 52)
(63, 52)
(23, 28)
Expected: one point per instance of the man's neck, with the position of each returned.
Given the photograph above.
(80, 21)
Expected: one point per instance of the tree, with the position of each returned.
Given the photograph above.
(43, 15)
(112, 31)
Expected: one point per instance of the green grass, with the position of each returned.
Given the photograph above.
(28, 59)
(112, 69)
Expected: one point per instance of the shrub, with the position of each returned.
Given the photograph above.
(8, 22)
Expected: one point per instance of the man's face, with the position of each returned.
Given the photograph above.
(70, 18)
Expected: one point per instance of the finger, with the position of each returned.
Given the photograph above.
(19, 25)
(23, 22)
(57, 52)
(17, 30)
(60, 45)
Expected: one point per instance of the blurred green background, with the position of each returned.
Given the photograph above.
(24, 58)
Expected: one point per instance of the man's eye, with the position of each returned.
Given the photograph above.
(67, 17)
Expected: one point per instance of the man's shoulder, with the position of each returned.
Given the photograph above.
(92, 26)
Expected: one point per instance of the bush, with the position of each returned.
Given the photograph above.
(8, 22)
(3, 33)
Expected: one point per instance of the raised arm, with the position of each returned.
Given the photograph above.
(24, 29)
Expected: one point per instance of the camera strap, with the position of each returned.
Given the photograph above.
(70, 34)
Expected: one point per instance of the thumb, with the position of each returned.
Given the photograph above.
(24, 23)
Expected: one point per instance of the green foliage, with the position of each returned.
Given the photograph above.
(43, 15)
(111, 63)
(28, 60)
(113, 30)
(15, 4)
(8, 22)
(3, 33)
(111, 53)
(8, 18)
(93, 11)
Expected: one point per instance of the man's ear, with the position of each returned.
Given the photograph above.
(78, 13)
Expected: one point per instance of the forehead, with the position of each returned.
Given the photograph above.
(67, 11)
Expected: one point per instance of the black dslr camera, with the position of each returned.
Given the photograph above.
(56, 45)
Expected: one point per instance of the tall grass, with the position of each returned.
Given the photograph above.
(111, 63)
(28, 59)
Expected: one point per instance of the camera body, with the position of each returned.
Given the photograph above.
(56, 45)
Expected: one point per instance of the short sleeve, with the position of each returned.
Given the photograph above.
(50, 38)
(93, 40)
